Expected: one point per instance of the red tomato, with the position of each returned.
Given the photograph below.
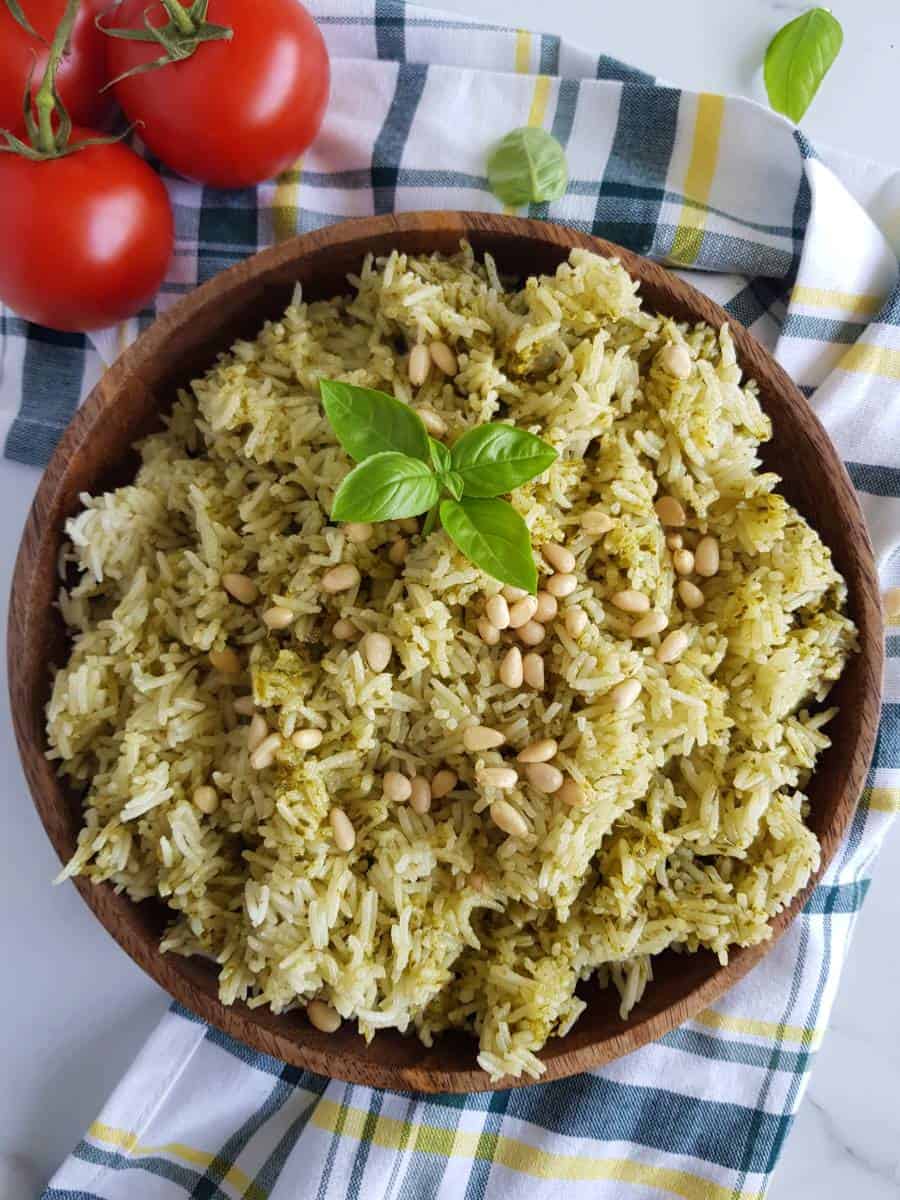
(86, 238)
(82, 72)
(237, 111)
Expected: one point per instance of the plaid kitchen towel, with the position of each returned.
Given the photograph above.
(708, 183)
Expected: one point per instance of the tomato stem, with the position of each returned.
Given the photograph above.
(45, 142)
(182, 19)
(186, 30)
(46, 100)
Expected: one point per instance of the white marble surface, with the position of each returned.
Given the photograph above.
(74, 1009)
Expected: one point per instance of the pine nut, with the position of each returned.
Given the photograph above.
(358, 531)
(256, 731)
(571, 794)
(245, 706)
(498, 777)
(443, 358)
(307, 739)
(419, 364)
(488, 633)
(522, 611)
(225, 661)
(420, 794)
(409, 524)
(561, 585)
(674, 541)
(509, 819)
(480, 737)
(676, 360)
(206, 799)
(396, 787)
(497, 612)
(576, 622)
(344, 630)
(264, 754)
(683, 562)
(706, 557)
(596, 522)
(344, 833)
(511, 668)
(278, 617)
(691, 596)
(545, 777)
(340, 578)
(625, 693)
(443, 782)
(653, 622)
(548, 607)
(512, 594)
(559, 558)
(241, 587)
(323, 1017)
(377, 650)
(540, 751)
(533, 671)
(891, 604)
(477, 882)
(399, 551)
(673, 646)
(433, 422)
(669, 511)
(631, 602)
(532, 634)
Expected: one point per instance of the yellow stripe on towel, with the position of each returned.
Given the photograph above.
(286, 203)
(523, 51)
(699, 178)
(858, 304)
(883, 799)
(802, 1034)
(871, 360)
(128, 1142)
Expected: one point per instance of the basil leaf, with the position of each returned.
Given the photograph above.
(454, 484)
(494, 459)
(385, 487)
(494, 537)
(368, 422)
(798, 58)
(440, 456)
(526, 166)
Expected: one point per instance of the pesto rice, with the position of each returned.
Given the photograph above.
(368, 780)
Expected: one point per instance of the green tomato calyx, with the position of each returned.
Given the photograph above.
(186, 30)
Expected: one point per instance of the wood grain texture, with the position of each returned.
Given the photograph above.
(95, 454)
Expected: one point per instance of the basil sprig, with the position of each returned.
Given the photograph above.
(798, 58)
(402, 472)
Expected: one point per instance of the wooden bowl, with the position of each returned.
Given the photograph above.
(95, 454)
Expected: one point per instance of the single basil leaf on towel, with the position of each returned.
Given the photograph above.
(386, 487)
(493, 459)
(526, 166)
(494, 537)
(798, 59)
(370, 422)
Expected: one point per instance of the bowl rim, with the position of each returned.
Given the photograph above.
(48, 793)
